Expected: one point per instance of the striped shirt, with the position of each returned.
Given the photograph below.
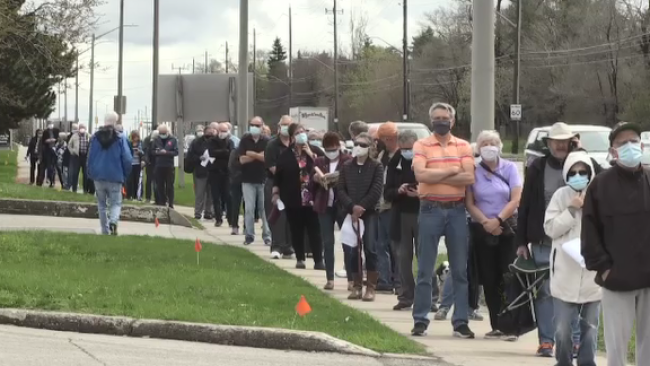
(435, 156)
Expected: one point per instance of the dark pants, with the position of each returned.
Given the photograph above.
(235, 204)
(150, 184)
(219, 183)
(300, 220)
(368, 245)
(78, 164)
(280, 231)
(165, 177)
(328, 221)
(493, 261)
(33, 166)
(404, 250)
(133, 183)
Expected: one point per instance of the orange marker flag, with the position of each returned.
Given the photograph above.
(157, 223)
(197, 245)
(123, 191)
(303, 308)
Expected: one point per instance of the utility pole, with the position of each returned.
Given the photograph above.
(482, 97)
(405, 71)
(335, 12)
(76, 92)
(206, 62)
(193, 65)
(290, 59)
(242, 78)
(65, 101)
(120, 65)
(58, 97)
(227, 57)
(179, 68)
(254, 71)
(515, 87)
(154, 94)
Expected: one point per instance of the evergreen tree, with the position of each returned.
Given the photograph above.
(278, 54)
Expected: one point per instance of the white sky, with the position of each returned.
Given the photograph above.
(190, 27)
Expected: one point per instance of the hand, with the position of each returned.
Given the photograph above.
(403, 188)
(412, 192)
(491, 225)
(357, 211)
(250, 154)
(522, 251)
(455, 170)
(605, 275)
(162, 151)
(275, 198)
(498, 231)
(578, 201)
(142, 164)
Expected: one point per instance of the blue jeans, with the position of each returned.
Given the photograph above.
(447, 293)
(434, 222)
(109, 203)
(588, 316)
(328, 222)
(544, 302)
(254, 199)
(384, 254)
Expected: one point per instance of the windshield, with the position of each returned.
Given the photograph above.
(422, 131)
(645, 135)
(594, 141)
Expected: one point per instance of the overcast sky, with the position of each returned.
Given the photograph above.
(190, 27)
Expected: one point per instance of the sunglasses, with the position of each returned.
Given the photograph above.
(577, 172)
(361, 144)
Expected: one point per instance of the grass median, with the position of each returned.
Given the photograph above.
(146, 277)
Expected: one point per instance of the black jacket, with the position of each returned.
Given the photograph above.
(194, 153)
(220, 150)
(615, 232)
(170, 145)
(399, 172)
(360, 185)
(287, 177)
(532, 207)
(31, 148)
(234, 168)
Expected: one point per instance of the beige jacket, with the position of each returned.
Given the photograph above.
(74, 143)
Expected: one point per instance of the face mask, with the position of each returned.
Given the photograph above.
(255, 131)
(284, 131)
(199, 134)
(317, 143)
(630, 154)
(441, 127)
(489, 153)
(578, 182)
(359, 151)
(407, 154)
(332, 155)
(301, 138)
(49, 127)
(163, 136)
(82, 130)
(223, 135)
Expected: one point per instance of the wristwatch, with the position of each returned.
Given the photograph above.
(500, 220)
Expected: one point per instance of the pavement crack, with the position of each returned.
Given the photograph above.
(87, 352)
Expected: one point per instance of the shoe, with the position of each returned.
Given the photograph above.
(419, 330)
(401, 306)
(329, 286)
(434, 308)
(112, 228)
(385, 291)
(208, 217)
(341, 274)
(350, 285)
(357, 287)
(509, 338)
(300, 265)
(248, 241)
(171, 206)
(545, 350)
(287, 256)
(234, 231)
(218, 223)
(475, 316)
(463, 331)
(494, 334)
(441, 314)
(275, 255)
(576, 350)
(320, 266)
(371, 287)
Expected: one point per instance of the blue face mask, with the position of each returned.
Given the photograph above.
(255, 131)
(578, 182)
(301, 138)
(630, 154)
(317, 143)
(163, 136)
(407, 154)
(284, 130)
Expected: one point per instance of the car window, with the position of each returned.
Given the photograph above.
(594, 141)
(645, 135)
(422, 132)
(541, 135)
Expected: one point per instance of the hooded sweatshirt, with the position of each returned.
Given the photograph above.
(109, 156)
(569, 281)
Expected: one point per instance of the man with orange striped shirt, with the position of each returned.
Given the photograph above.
(444, 166)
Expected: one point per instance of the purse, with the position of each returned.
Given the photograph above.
(509, 224)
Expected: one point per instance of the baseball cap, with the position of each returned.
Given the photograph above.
(623, 126)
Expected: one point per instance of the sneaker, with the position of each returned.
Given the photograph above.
(576, 350)
(495, 334)
(463, 331)
(341, 274)
(234, 231)
(248, 241)
(320, 266)
(112, 228)
(275, 255)
(419, 330)
(300, 265)
(475, 316)
(208, 217)
(545, 350)
(287, 256)
(509, 338)
(441, 314)
(198, 217)
(434, 308)
(329, 286)
(401, 306)
(267, 243)
(218, 223)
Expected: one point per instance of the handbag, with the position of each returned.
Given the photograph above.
(509, 224)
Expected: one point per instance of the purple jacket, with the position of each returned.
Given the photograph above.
(319, 193)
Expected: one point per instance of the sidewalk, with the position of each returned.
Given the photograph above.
(439, 340)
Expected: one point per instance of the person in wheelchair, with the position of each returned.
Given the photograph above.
(576, 296)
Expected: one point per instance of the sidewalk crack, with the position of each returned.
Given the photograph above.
(87, 352)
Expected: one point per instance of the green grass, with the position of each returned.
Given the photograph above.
(146, 277)
(507, 146)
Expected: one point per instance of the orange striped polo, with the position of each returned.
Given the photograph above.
(437, 156)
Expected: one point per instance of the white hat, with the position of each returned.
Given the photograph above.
(560, 131)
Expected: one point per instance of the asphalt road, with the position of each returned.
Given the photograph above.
(35, 347)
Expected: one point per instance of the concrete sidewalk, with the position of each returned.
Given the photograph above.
(439, 340)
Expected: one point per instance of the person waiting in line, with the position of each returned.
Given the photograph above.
(109, 165)
(202, 195)
(316, 142)
(359, 189)
(231, 135)
(576, 296)
(251, 156)
(219, 148)
(326, 205)
(492, 203)
(32, 155)
(280, 232)
(47, 156)
(292, 183)
(150, 164)
(67, 158)
(133, 183)
(165, 149)
(78, 147)
(234, 173)
(61, 169)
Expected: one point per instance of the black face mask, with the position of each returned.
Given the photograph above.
(441, 127)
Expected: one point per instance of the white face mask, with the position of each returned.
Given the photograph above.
(82, 130)
(332, 155)
(489, 153)
(359, 151)
(49, 127)
(223, 135)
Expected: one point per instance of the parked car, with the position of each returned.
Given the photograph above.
(594, 139)
(645, 140)
(419, 128)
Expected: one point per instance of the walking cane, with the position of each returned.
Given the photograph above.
(357, 230)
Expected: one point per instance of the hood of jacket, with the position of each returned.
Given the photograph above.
(574, 158)
(106, 136)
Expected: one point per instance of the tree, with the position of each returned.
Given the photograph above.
(278, 54)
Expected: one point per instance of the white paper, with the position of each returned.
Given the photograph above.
(206, 159)
(572, 248)
(348, 235)
(280, 205)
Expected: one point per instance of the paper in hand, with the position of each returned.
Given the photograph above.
(572, 248)
(348, 234)
(206, 159)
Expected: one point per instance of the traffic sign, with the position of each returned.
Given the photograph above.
(515, 112)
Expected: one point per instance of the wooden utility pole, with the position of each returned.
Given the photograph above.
(227, 61)
(335, 12)
(405, 71)
(290, 60)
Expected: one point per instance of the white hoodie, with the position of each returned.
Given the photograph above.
(569, 281)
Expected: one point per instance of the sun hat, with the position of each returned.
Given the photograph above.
(560, 131)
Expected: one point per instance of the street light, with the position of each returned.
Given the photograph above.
(92, 72)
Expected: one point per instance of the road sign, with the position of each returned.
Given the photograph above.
(515, 112)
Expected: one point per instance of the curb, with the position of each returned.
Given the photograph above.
(255, 337)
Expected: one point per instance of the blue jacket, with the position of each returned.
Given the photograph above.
(109, 156)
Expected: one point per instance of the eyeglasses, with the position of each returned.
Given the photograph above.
(361, 144)
(577, 172)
